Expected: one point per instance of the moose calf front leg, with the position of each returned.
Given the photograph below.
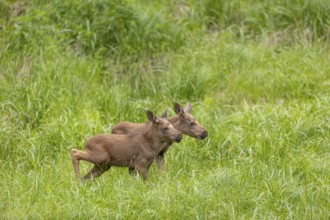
(132, 171)
(160, 158)
(142, 167)
(143, 172)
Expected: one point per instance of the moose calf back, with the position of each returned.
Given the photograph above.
(128, 127)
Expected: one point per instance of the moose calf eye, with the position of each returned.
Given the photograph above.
(164, 129)
(191, 124)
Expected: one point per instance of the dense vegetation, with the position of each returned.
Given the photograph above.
(256, 72)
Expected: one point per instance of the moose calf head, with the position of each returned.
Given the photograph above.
(163, 128)
(187, 123)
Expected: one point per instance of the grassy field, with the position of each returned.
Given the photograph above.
(257, 74)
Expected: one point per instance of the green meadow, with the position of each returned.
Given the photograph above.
(257, 74)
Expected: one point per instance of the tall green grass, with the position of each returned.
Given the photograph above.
(250, 18)
(256, 72)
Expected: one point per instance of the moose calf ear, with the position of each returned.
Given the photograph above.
(177, 108)
(150, 115)
(187, 108)
(164, 114)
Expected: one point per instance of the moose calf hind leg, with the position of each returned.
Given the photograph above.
(75, 161)
(96, 171)
(78, 155)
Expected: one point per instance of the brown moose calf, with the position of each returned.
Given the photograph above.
(182, 121)
(135, 150)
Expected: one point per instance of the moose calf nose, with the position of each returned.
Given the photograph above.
(204, 135)
(178, 138)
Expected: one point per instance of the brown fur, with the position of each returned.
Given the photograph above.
(182, 121)
(135, 150)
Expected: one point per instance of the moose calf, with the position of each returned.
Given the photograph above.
(135, 150)
(182, 121)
